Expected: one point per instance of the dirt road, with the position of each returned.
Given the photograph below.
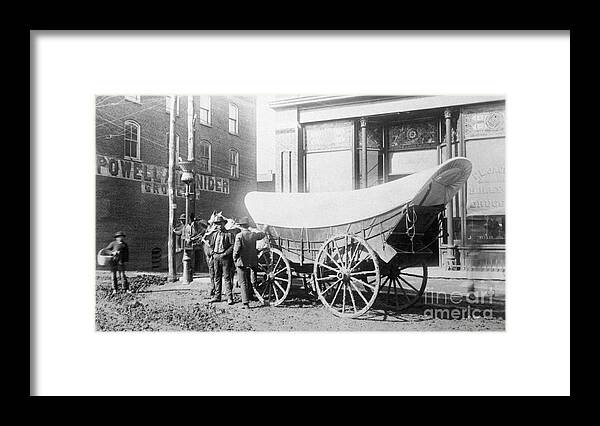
(158, 306)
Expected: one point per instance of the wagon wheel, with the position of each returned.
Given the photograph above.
(346, 275)
(273, 277)
(405, 285)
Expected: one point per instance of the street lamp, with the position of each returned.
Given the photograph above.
(187, 177)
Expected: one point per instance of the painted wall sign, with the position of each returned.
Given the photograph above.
(154, 179)
(483, 124)
(485, 186)
(329, 136)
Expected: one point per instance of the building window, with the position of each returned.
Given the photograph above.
(168, 104)
(205, 111)
(132, 140)
(177, 150)
(234, 164)
(233, 119)
(137, 99)
(204, 157)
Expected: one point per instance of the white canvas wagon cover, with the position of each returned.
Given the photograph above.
(435, 186)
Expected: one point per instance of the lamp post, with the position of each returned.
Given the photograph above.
(187, 177)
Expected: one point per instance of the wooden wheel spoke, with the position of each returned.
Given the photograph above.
(328, 267)
(328, 278)
(280, 271)
(338, 252)
(329, 288)
(358, 248)
(344, 298)
(409, 284)
(265, 290)
(359, 293)
(277, 264)
(403, 290)
(336, 294)
(361, 261)
(363, 273)
(332, 259)
(352, 298)
(275, 290)
(372, 287)
(411, 275)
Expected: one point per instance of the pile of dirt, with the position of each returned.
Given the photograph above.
(142, 281)
(129, 312)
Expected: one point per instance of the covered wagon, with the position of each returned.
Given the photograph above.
(353, 245)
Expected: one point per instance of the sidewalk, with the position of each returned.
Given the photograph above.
(481, 288)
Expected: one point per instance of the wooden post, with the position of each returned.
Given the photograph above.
(463, 190)
(281, 169)
(450, 207)
(191, 120)
(363, 140)
(172, 277)
(290, 170)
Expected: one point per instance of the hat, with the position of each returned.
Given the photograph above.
(219, 219)
(119, 234)
(203, 222)
(243, 221)
(182, 216)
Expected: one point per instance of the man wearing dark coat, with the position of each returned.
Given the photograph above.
(204, 237)
(245, 257)
(120, 256)
(222, 252)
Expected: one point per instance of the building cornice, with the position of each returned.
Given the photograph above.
(321, 100)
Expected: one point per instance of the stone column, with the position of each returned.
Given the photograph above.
(363, 139)
(450, 256)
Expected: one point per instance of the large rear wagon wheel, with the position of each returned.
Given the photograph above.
(346, 275)
(405, 285)
(273, 277)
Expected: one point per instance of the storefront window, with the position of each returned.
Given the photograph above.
(329, 171)
(486, 220)
(405, 163)
(329, 156)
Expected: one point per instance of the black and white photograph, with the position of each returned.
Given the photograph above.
(300, 213)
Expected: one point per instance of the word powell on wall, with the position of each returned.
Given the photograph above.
(154, 178)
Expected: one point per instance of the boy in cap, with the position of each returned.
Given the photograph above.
(120, 252)
(180, 232)
(245, 257)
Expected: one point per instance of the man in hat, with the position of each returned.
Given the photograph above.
(201, 239)
(245, 257)
(179, 230)
(222, 253)
(120, 252)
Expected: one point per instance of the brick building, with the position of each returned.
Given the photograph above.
(132, 135)
(319, 148)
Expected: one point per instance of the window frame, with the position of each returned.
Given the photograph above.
(207, 142)
(138, 142)
(237, 119)
(237, 163)
(208, 123)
